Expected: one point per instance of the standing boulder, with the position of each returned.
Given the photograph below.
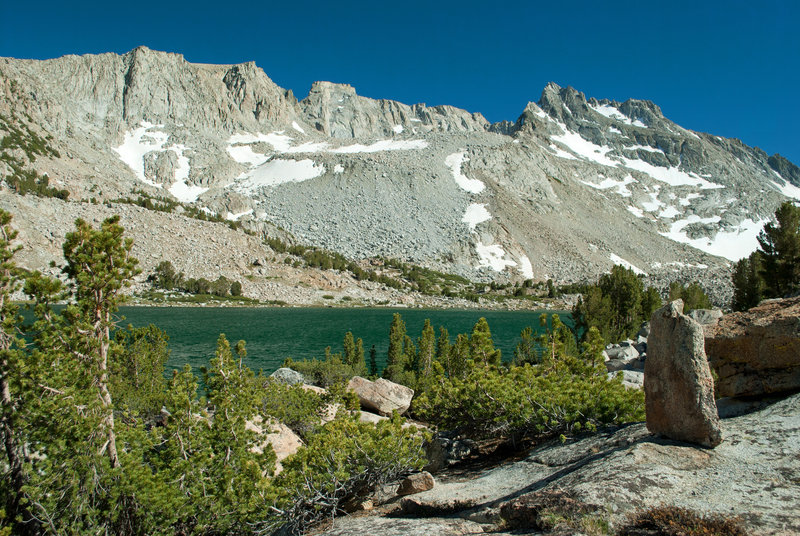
(678, 387)
(757, 352)
(381, 396)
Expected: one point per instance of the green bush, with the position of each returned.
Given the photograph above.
(345, 459)
(323, 372)
(565, 393)
(299, 409)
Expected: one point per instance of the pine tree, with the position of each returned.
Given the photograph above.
(481, 347)
(427, 349)
(100, 264)
(748, 285)
(395, 360)
(373, 361)
(443, 346)
(460, 361)
(780, 244)
(349, 346)
(11, 366)
(525, 352)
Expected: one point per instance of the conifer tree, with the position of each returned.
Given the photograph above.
(443, 346)
(11, 364)
(748, 285)
(481, 347)
(100, 265)
(460, 361)
(525, 352)
(395, 360)
(373, 361)
(780, 244)
(349, 346)
(426, 349)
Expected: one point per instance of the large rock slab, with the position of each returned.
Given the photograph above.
(753, 474)
(757, 352)
(679, 389)
(381, 396)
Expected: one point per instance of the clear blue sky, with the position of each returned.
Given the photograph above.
(730, 68)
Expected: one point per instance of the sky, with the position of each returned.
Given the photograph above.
(730, 68)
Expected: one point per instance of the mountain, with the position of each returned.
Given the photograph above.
(572, 187)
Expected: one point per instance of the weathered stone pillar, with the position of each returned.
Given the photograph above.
(678, 387)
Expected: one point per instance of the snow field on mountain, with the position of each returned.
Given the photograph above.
(140, 141)
(454, 162)
(608, 183)
(732, 245)
(492, 256)
(476, 213)
(137, 143)
(279, 171)
(612, 113)
(525, 267)
(616, 259)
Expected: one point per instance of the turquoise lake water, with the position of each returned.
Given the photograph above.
(275, 333)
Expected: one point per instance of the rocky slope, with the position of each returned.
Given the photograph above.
(570, 188)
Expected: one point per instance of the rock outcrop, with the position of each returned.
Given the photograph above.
(752, 475)
(381, 396)
(757, 352)
(679, 389)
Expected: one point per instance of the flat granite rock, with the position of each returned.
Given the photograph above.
(754, 474)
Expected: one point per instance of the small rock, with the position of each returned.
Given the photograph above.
(416, 483)
(287, 376)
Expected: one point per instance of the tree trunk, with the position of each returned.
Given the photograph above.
(103, 334)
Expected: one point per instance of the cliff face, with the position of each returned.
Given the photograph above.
(570, 188)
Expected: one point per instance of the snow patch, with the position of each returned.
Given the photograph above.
(277, 172)
(616, 259)
(788, 189)
(186, 193)
(525, 267)
(636, 211)
(297, 127)
(686, 201)
(733, 245)
(607, 183)
(235, 217)
(669, 213)
(338, 168)
(454, 162)
(244, 154)
(584, 148)
(382, 145)
(476, 213)
(398, 129)
(672, 175)
(492, 256)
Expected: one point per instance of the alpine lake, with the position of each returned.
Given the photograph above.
(274, 333)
